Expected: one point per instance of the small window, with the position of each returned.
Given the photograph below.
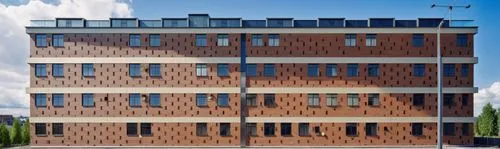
(88, 70)
(313, 70)
(257, 40)
(223, 40)
(251, 70)
(352, 100)
(313, 99)
(58, 100)
(40, 70)
(448, 99)
(418, 99)
(350, 40)
(58, 70)
(286, 129)
(252, 129)
(154, 70)
(462, 40)
(58, 40)
(269, 129)
(225, 129)
(269, 70)
(269, 100)
(449, 70)
(465, 99)
(351, 129)
(448, 129)
(222, 70)
(146, 129)
(331, 70)
(40, 129)
(464, 72)
(303, 129)
(88, 100)
(58, 129)
(40, 100)
(418, 40)
(135, 40)
(465, 129)
(201, 129)
(41, 40)
(332, 100)
(135, 100)
(131, 129)
(371, 129)
(274, 40)
(154, 100)
(134, 70)
(371, 40)
(373, 70)
(418, 70)
(317, 130)
(352, 70)
(373, 99)
(417, 129)
(223, 100)
(201, 100)
(201, 40)
(154, 40)
(251, 100)
(201, 70)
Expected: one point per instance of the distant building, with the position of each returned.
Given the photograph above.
(7, 119)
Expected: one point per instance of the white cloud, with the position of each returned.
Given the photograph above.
(485, 95)
(14, 42)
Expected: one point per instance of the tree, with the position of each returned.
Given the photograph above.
(487, 121)
(26, 132)
(5, 137)
(15, 132)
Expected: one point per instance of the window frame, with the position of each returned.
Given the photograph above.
(332, 100)
(417, 129)
(223, 100)
(41, 40)
(132, 129)
(286, 129)
(251, 70)
(353, 100)
(201, 70)
(154, 40)
(313, 70)
(134, 70)
(223, 70)
(449, 129)
(134, 40)
(225, 129)
(201, 40)
(462, 40)
(155, 70)
(40, 129)
(269, 70)
(371, 129)
(418, 40)
(418, 100)
(201, 100)
(201, 129)
(464, 70)
(269, 129)
(58, 40)
(39, 97)
(58, 100)
(257, 40)
(152, 101)
(373, 70)
(350, 40)
(270, 100)
(58, 129)
(134, 100)
(58, 70)
(222, 40)
(41, 70)
(418, 70)
(304, 129)
(85, 98)
(374, 99)
(273, 40)
(251, 129)
(146, 129)
(251, 100)
(351, 129)
(352, 70)
(371, 40)
(313, 100)
(449, 70)
(88, 70)
(331, 70)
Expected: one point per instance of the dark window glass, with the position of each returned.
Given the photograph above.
(146, 129)
(305, 23)
(135, 40)
(313, 70)
(269, 100)
(225, 129)
(223, 100)
(135, 70)
(198, 20)
(40, 70)
(279, 23)
(406, 23)
(40, 129)
(331, 22)
(462, 40)
(303, 129)
(58, 70)
(448, 99)
(371, 129)
(87, 100)
(449, 70)
(465, 99)
(251, 100)
(286, 129)
(464, 72)
(418, 70)
(201, 129)
(58, 100)
(418, 99)
(40, 100)
(418, 40)
(154, 100)
(154, 70)
(373, 99)
(135, 100)
(252, 129)
(257, 40)
(269, 70)
(351, 129)
(254, 23)
(131, 129)
(274, 40)
(331, 70)
(417, 129)
(251, 70)
(431, 22)
(173, 22)
(41, 40)
(352, 70)
(58, 40)
(222, 70)
(465, 129)
(201, 100)
(201, 40)
(225, 22)
(350, 40)
(356, 23)
(373, 70)
(88, 70)
(449, 129)
(154, 40)
(269, 129)
(381, 22)
(58, 129)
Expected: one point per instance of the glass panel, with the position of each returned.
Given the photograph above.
(305, 23)
(254, 23)
(331, 23)
(150, 23)
(381, 22)
(279, 23)
(198, 20)
(175, 23)
(225, 23)
(356, 23)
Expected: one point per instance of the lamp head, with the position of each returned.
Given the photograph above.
(433, 5)
(468, 6)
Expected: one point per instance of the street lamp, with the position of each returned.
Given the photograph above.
(439, 71)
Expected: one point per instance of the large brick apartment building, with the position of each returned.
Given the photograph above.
(201, 81)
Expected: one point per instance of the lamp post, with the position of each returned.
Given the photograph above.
(439, 72)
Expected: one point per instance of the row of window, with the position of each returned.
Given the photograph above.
(257, 40)
(313, 70)
(154, 100)
(371, 129)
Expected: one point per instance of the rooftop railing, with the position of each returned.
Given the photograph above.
(97, 23)
(462, 23)
(42, 23)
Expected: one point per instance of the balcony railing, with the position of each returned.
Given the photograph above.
(97, 23)
(463, 23)
(42, 23)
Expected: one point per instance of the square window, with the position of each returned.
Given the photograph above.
(418, 99)
(464, 72)
(257, 40)
(350, 40)
(269, 129)
(269, 70)
(41, 40)
(373, 70)
(418, 70)
(313, 70)
(269, 100)
(373, 99)
(448, 129)
(131, 129)
(201, 40)
(88, 100)
(222, 70)
(448, 99)
(313, 99)
(449, 70)
(251, 70)
(371, 129)
(465, 99)
(353, 100)
(40, 129)
(135, 40)
(58, 100)
(352, 70)
(223, 100)
(154, 40)
(331, 70)
(223, 40)
(462, 40)
(417, 40)
(225, 129)
(154, 100)
(40, 100)
(154, 70)
(417, 129)
(201, 100)
(286, 129)
(371, 40)
(135, 100)
(274, 40)
(303, 129)
(332, 100)
(146, 129)
(58, 40)
(201, 70)
(251, 100)
(134, 70)
(40, 70)
(201, 129)
(58, 129)
(351, 129)
(252, 129)
(88, 70)
(58, 70)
